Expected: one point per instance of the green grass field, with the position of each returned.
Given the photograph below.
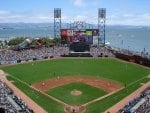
(88, 93)
(123, 73)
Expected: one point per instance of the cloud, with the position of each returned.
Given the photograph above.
(9, 16)
(80, 18)
(86, 17)
(129, 19)
(115, 19)
(2, 13)
(79, 3)
(95, 2)
(85, 3)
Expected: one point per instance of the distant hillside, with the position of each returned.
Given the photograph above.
(50, 25)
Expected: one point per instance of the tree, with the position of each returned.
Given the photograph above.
(16, 41)
(57, 40)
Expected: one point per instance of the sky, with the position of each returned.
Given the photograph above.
(118, 12)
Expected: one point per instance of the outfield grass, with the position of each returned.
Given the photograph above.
(107, 68)
(63, 93)
(118, 71)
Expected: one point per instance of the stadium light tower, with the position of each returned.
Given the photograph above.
(101, 25)
(57, 22)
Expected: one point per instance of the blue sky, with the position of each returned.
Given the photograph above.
(122, 12)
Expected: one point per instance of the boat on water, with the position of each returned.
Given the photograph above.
(107, 43)
(119, 35)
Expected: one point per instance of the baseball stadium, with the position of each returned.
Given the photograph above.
(81, 75)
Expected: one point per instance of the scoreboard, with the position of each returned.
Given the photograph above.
(89, 36)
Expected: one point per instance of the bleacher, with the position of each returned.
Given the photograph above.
(140, 104)
(10, 103)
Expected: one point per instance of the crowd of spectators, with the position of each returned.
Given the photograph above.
(9, 103)
(140, 104)
(100, 51)
(12, 57)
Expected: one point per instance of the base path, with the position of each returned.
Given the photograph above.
(1, 73)
(106, 85)
(122, 103)
(30, 103)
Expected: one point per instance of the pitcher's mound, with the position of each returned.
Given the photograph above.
(76, 92)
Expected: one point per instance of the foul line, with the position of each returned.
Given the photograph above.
(86, 104)
(49, 96)
(98, 99)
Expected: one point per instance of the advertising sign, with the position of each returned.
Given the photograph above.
(95, 32)
(63, 32)
(89, 32)
(95, 40)
(69, 32)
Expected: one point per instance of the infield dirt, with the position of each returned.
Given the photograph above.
(106, 85)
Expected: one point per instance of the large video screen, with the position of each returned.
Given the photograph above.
(84, 36)
(79, 36)
(95, 40)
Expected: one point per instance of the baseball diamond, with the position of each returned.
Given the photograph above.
(74, 62)
(50, 83)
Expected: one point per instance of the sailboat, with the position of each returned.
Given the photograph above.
(107, 43)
